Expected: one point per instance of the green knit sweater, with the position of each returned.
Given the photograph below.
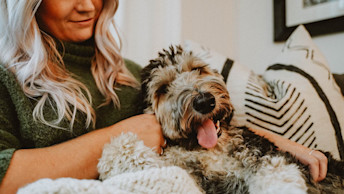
(18, 130)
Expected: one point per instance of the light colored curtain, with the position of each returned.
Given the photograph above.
(147, 26)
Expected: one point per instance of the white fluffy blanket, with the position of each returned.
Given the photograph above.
(126, 166)
(155, 180)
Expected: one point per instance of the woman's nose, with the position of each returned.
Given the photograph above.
(85, 6)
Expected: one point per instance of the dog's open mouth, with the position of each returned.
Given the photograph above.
(207, 133)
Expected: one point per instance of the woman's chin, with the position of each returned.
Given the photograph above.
(78, 36)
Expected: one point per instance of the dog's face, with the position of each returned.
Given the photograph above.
(188, 98)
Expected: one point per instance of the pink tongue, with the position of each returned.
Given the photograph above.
(206, 134)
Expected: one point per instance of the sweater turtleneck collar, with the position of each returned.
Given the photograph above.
(76, 53)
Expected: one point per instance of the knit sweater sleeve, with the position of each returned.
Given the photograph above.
(9, 140)
(14, 115)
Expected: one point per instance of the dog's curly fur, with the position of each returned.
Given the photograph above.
(240, 162)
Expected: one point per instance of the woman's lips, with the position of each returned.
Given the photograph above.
(84, 23)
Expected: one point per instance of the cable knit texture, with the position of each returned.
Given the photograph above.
(156, 180)
(18, 130)
(126, 166)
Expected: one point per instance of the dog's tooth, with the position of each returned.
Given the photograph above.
(217, 126)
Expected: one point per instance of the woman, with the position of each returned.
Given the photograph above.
(66, 101)
(59, 69)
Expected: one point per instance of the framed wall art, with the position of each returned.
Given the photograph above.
(318, 16)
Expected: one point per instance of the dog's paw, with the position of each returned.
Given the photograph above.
(126, 153)
(275, 175)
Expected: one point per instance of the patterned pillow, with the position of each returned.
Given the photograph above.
(296, 97)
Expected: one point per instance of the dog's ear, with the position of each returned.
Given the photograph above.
(166, 57)
(146, 71)
(146, 77)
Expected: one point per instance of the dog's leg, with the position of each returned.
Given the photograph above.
(126, 153)
(276, 176)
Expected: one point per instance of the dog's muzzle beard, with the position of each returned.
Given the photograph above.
(201, 121)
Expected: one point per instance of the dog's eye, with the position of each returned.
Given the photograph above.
(199, 69)
(162, 89)
(196, 68)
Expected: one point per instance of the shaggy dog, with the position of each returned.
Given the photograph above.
(192, 104)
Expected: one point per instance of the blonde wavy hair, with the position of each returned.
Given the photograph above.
(33, 58)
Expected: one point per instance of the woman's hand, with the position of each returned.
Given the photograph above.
(315, 160)
(146, 127)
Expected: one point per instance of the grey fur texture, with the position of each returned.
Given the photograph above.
(174, 86)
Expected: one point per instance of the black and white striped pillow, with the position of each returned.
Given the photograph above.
(297, 96)
(318, 117)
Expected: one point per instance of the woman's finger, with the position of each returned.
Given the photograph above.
(313, 165)
(322, 164)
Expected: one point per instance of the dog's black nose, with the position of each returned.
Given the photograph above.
(204, 103)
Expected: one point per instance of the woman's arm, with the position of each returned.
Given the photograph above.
(315, 160)
(76, 158)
